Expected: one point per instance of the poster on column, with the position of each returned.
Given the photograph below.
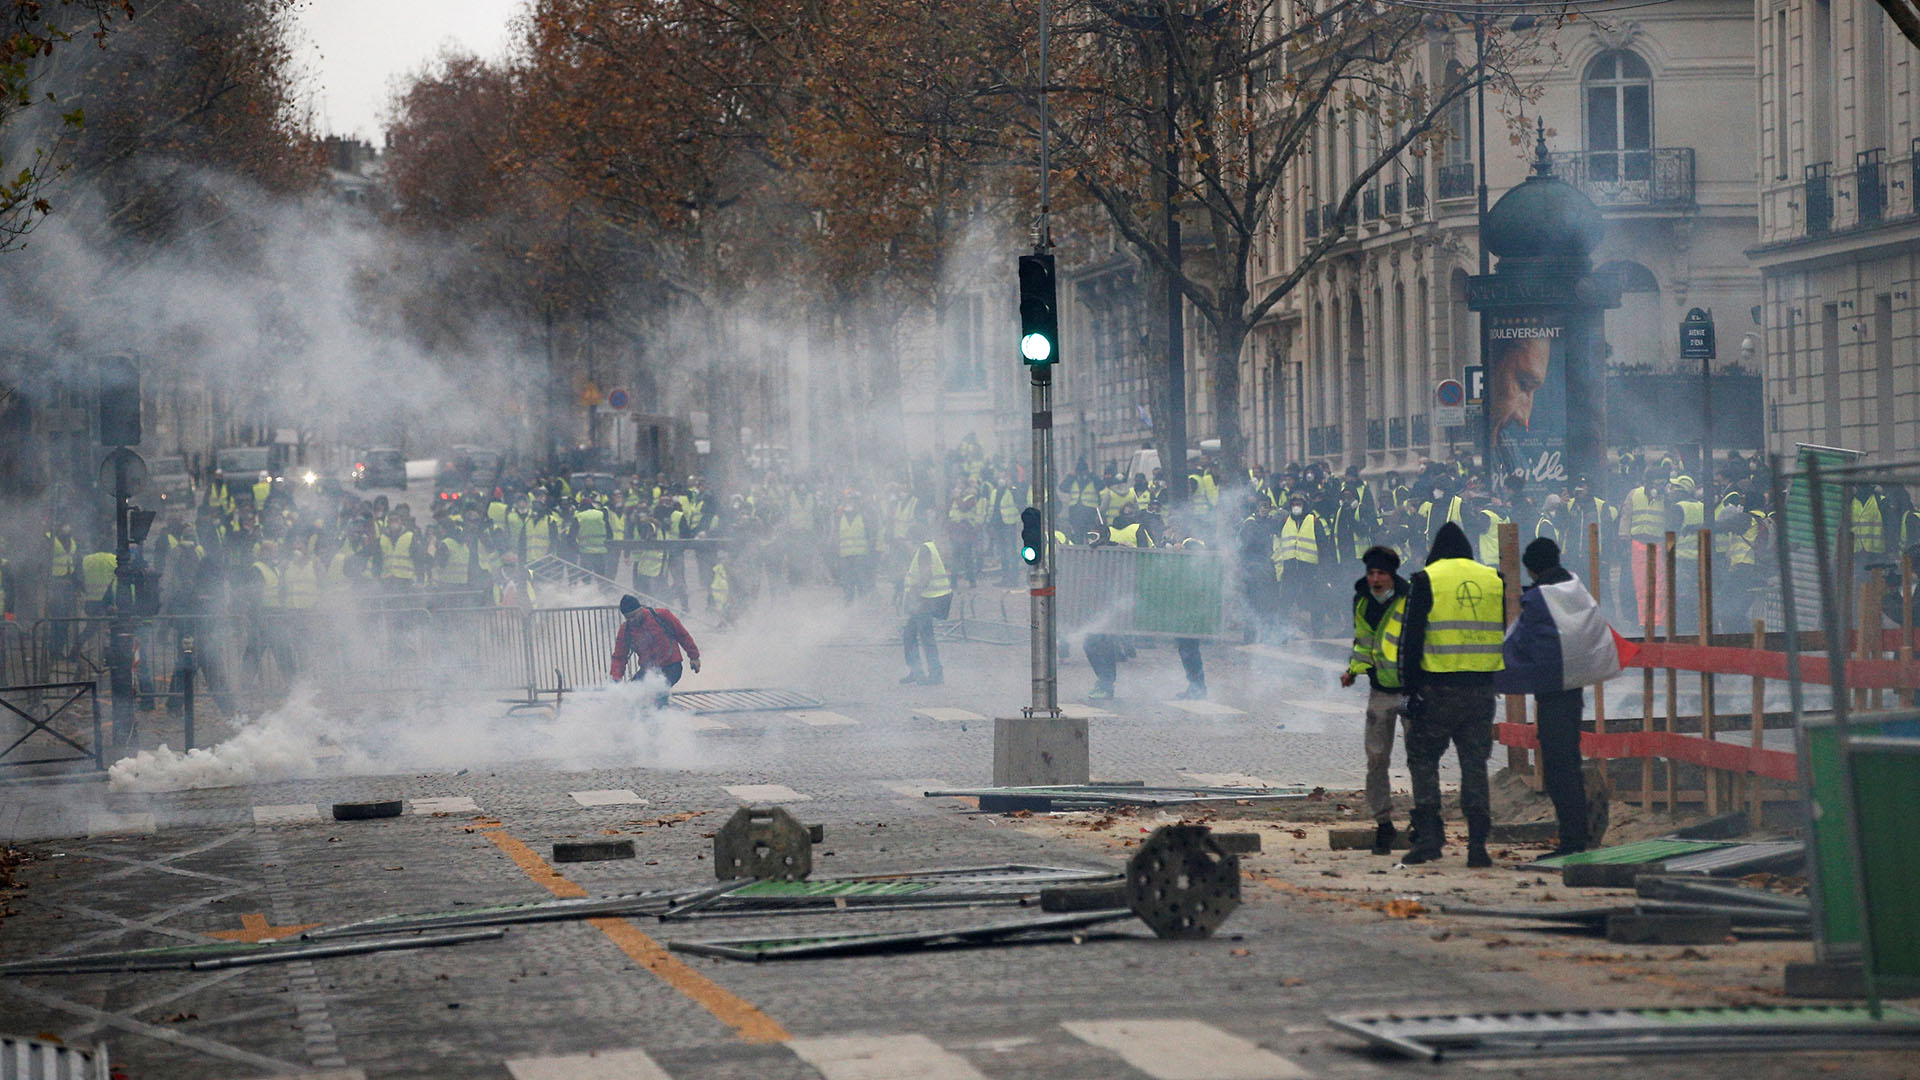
(1527, 393)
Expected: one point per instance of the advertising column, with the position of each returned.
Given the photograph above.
(1527, 360)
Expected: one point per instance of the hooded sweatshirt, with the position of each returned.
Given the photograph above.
(1375, 611)
(1449, 543)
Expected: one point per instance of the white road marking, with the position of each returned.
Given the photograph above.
(607, 797)
(1083, 712)
(107, 823)
(288, 814)
(600, 1065)
(766, 793)
(914, 789)
(942, 713)
(1291, 656)
(882, 1057)
(1205, 708)
(1230, 779)
(822, 718)
(1184, 1050)
(446, 804)
(329, 1074)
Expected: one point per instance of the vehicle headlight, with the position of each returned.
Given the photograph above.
(309, 477)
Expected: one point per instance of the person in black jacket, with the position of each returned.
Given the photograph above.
(1557, 719)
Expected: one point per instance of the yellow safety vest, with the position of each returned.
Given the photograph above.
(590, 527)
(261, 490)
(930, 578)
(853, 536)
(1869, 531)
(1646, 516)
(1428, 528)
(1490, 540)
(540, 536)
(1127, 537)
(719, 590)
(1377, 648)
(96, 573)
(1009, 506)
(1693, 517)
(1300, 539)
(1112, 502)
(648, 562)
(455, 570)
(63, 556)
(301, 584)
(398, 555)
(1468, 621)
(269, 586)
(1736, 545)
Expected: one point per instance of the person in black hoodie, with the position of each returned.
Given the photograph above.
(1450, 644)
(1378, 594)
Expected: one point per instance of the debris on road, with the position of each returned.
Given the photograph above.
(367, 811)
(766, 843)
(576, 851)
(1042, 800)
(214, 956)
(1599, 1032)
(819, 945)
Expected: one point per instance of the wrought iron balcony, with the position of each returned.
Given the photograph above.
(1455, 181)
(1327, 224)
(1416, 191)
(1370, 204)
(1397, 432)
(1390, 197)
(1870, 186)
(1310, 221)
(1660, 177)
(1819, 198)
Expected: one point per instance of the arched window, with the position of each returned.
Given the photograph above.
(1619, 96)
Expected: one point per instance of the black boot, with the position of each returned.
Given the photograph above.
(1477, 830)
(1429, 836)
(1384, 834)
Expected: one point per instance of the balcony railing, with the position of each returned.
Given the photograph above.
(1416, 191)
(1370, 204)
(1819, 198)
(1870, 186)
(1310, 221)
(1397, 432)
(1657, 177)
(1390, 197)
(1454, 181)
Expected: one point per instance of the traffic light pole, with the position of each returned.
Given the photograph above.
(1046, 656)
(120, 628)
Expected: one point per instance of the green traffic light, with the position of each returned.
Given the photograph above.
(1036, 349)
(1029, 554)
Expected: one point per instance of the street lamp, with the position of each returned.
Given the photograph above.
(1480, 21)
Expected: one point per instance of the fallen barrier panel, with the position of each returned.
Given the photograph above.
(27, 712)
(571, 647)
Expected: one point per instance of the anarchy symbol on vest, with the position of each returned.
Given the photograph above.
(1467, 595)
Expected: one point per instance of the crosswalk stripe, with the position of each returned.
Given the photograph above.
(1229, 779)
(822, 718)
(1205, 708)
(942, 713)
(599, 1065)
(607, 797)
(287, 814)
(445, 804)
(1184, 1050)
(1274, 652)
(882, 1057)
(766, 793)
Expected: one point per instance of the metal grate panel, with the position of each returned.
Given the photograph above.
(1740, 858)
(706, 702)
(1646, 851)
(22, 1058)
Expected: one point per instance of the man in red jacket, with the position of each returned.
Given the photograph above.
(653, 638)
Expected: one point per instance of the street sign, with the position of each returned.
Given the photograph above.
(1696, 335)
(1476, 384)
(617, 399)
(1449, 403)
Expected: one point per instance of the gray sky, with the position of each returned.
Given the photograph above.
(354, 49)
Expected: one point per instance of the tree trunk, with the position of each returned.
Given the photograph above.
(1229, 338)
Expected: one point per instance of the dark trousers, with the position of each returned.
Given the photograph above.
(1460, 716)
(1190, 662)
(670, 672)
(917, 638)
(1558, 723)
(1103, 655)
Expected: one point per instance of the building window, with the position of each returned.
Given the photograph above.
(1619, 96)
(967, 360)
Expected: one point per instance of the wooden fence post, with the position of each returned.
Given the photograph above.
(1672, 552)
(1516, 704)
(1759, 731)
(1711, 778)
(1906, 622)
(1593, 589)
(1648, 608)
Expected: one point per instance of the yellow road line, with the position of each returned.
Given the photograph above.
(736, 1012)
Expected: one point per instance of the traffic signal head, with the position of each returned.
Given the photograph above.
(1039, 314)
(1032, 535)
(117, 391)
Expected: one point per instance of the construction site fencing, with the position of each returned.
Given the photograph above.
(249, 661)
(49, 725)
